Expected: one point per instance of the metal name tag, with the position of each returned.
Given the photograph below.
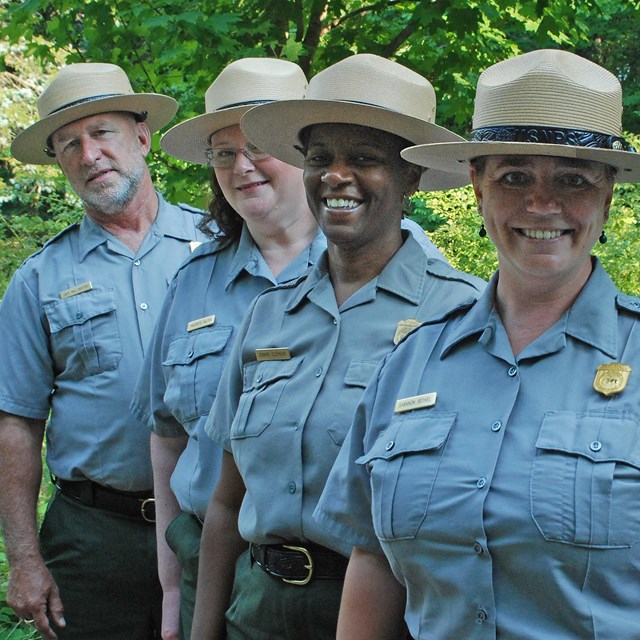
(74, 291)
(424, 401)
(207, 321)
(281, 353)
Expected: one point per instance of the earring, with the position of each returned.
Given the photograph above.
(482, 232)
(603, 237)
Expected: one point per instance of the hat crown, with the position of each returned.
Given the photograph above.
(83, 82)
(549, 88)
(370, 79)
(253, 80)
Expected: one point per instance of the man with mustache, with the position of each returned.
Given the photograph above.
(76, 320)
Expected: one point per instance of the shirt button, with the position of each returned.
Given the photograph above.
(144, 306)
(481, 616)
(335, 321)
(259, 378)
(477, 547)
(136, 262)
(318, 372)
(512, 371)
(79, 315)
(190, 354)
(481, 482)
(496, 426)
(595, 445)
(390, 445)
(292, 487)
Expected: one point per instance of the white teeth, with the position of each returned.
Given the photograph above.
(538, 234)
(341, 203)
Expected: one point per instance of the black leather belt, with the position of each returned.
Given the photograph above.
(139, 505)
(298, 563)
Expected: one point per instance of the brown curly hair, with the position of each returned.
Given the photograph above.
(227, 221)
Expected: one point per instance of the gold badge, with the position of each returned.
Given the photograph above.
(611, 378)
(404, 328)
(424, 401)
(281, 353)
(207, 321)
(74, 291)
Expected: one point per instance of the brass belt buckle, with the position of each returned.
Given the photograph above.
(143, 509)
(308, 567)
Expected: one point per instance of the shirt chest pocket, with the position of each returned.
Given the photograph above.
(85, 336)
(192, 368)
(585, 483)
(358, 375)
(264, 386)
(403, 465)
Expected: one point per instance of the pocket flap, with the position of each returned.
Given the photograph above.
(78, 309)
(412, 433)
(599, 436)
(186, 348)
(263, 374)
(359, 373)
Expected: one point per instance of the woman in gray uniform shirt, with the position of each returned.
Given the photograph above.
(264, 235)
(495, 457)
(306, 350)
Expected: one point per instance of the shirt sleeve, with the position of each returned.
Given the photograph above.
(27, 378)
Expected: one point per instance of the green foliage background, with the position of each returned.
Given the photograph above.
(177, 47)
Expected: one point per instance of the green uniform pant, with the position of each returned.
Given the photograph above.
(266, 608)
(105, 566)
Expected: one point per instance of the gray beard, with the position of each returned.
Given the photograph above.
(110, 200)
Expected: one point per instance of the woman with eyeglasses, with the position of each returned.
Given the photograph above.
(262, 234)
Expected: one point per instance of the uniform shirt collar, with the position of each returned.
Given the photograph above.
(405, 275)
(248, 258)
(592, 318)
(167, 223)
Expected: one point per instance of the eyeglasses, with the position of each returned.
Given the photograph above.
(225, 158)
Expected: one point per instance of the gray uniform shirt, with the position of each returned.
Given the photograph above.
(76, 318)
(509, 505)
(192, 341)
(284, 413)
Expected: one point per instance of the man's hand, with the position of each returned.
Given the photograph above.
(33, 595)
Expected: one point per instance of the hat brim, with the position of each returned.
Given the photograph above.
(189, 140)
(29, 145)
(275, 128)
(447, 156)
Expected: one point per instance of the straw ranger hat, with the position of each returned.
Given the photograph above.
(363, 89)
(240, 86)
(81, 90)
(547, 102)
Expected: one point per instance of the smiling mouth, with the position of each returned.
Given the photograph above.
(251, 185)
(341, 203)
(542, 234)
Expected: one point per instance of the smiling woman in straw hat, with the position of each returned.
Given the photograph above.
(495, 458)
(264, 235)
(306, 350)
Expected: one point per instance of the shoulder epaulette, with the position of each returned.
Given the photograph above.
(445, 270)
(630, 303)
(73, 226)
(190, 209)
